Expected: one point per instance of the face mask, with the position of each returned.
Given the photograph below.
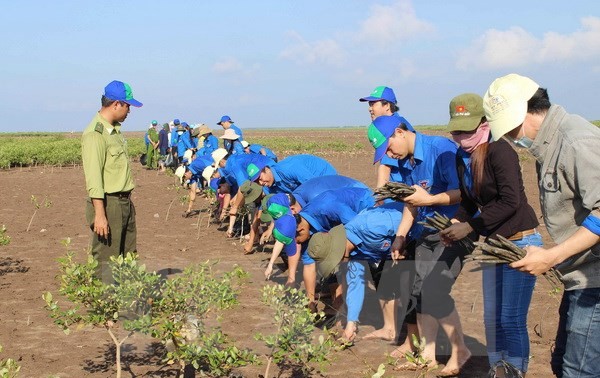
(470, 141)
(180, 133)
(524, 141)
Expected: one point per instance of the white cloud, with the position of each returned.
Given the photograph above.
(516, 47)
(325, 51)
(232, 66)
(388, 24)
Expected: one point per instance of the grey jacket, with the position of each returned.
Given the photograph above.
(567, 150)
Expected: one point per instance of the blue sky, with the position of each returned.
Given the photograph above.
(278, 63)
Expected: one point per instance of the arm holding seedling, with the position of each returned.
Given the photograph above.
(540, 260)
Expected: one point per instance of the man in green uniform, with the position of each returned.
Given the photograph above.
(109, 212)
(151, 150)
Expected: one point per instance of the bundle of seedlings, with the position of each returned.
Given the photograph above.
(503, 251)
(396, 191)
(439, 222)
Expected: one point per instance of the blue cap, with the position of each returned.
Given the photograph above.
(285, 232)
(184, 124)
(379, 133)
(381, 93)
(176, 121)
(225, 118)
(253, 169)
(119, 91)
(277, 205)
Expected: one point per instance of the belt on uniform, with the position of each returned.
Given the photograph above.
(122, 195)
(521, 234)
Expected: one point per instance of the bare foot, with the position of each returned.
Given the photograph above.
(401, 351)
(455, 363)
(382, 334)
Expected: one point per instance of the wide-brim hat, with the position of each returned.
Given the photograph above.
(180, 128)
(230, 135)
(179, 172)
(265, 216)
(203, 129)
(218, 155)
(251, 191)
(327, 249)
(466, 112)
(245, 144)
(208, 172)
(187, 156)
(505, 103)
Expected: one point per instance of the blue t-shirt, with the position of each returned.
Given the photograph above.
(334, 207)
(210, 144)
(295, 170)
(435, 171)
(305, 193)
(183, 143)
(255, 149)
(198, 165)
(373, 230)
(235, 170)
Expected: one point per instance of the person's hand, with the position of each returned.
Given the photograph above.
(537, 261)
(456, 232)
(248, 247)
(222, 216)
(101, 226)
(419, 198)
(229, 232)
(398, 248)
(290, 283)
(268, 272)
(265, 237)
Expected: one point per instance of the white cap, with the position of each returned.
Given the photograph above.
(245, 144)
(505, 103)
(208, 172)
(230, 135)
(179, 172)
(188, 155)
(218, 155)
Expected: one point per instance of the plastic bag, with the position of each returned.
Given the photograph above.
(510, 371)
(143, 159)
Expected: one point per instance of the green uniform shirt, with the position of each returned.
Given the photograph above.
(105, 159)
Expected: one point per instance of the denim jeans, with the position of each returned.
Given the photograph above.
(577, 351)
(506, 297)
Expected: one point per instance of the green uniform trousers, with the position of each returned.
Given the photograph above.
(120, 214)
(151, 157)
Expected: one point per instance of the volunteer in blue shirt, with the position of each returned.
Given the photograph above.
(193, 174)
(290, 173)
(232, 142)
(175, 137)
(364, 242)
(305, 193)
(227, 123)
(331, 208)
(327, 210)
(259, 149)
(382, 101)
(431, 162)
(210, 142)
(182, 142)
(233, 169)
